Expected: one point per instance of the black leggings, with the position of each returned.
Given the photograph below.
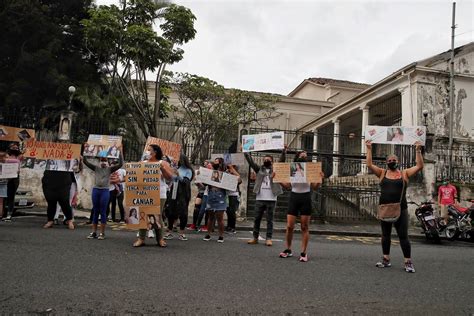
(53, 197)
(116, 198)
(12, 187)
(401, 225)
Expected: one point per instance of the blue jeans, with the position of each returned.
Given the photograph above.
(100, 201)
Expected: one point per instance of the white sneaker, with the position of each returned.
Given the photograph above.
(151, 234)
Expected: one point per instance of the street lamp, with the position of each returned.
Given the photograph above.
(71, 90)
(425, 115)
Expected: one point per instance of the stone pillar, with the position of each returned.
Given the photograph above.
(315, 143)
(365, 122)
(335, 162)
(407, 110)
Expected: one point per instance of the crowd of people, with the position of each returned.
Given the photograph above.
(60, 189)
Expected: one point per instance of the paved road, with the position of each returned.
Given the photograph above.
(60, 271)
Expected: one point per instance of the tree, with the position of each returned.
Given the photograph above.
(127, 49)
(210, 111)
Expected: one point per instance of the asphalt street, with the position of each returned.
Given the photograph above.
(61, 272)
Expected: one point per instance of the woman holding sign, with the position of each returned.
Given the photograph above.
(155, 154)
(393, 185)
(14, 155)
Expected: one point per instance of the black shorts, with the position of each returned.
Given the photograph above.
(300, 204)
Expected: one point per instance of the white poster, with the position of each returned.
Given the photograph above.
(396, 135)
(218, 179)
(8, 170)
(264, 141)
(231, 159)
(51, 164)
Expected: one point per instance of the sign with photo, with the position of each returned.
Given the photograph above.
(297, 172)
(65, 122)
(169, 148)
(142, 194)
(396, 135)
(15, 134)
(217, 179)
(52, 151)
(237, 159)
(8, 170)
(51, 164)
(260, 142)
(108, 146)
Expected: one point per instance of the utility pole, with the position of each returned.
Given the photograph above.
(451, 94)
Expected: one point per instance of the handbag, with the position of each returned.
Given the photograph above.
(391, 212)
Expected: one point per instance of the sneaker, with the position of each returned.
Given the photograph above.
(207, 237)
(252, 241)
(7, 219)
(220, 239)
(409, 267)
(268, 242)
(109, 219)
(122, 221)
(203, 229)
(303, 257)
(92, 235)
(183, 237)
(101, 236)
(151, 234)
(230, 231)
(385, 263)
(168, 236)
(191, 227)
(286, 254)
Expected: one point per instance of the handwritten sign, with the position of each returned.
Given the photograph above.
(217, 179)
(142, 194)
(8, 170)
(168, 148)
(297, 172)
(15, 134)
(52, 151)
(103, 146)
(396, 135)
(264, 141)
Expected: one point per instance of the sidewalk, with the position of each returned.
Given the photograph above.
(360, 230)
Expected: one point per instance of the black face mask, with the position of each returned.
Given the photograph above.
(392, 165)
(14, 152)
(267, 164)
(301, 159)
(215, 166)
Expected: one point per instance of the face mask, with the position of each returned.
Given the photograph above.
(445, 183)
(147, 155)
(267, 164)
(215, 166)
(14, 152)
(301, 159)
(392, 165)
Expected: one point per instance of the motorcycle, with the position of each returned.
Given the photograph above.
(429, 223)
(460, 222)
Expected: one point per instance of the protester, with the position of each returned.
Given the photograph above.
(100, 193)
(14, 155)
(198, 201)
(267, 193)
(202, 210)
(300, 205)
(155, 154)
(234, 201)
(446, 196)
(3, 184)
(116, 189)
(216, 204)
(180, 195)
(393, 185)
(56, 190)
(73, 193)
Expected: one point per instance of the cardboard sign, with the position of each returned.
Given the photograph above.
(262, 142)
(297, 172)
(169, 148)
(8, 170)
(51, 164)
(231, 159)
(52, 151)
(142, 194)
(218, 179)
(103, 146)
(396, 135)
(15, 134)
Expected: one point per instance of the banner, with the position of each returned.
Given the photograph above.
(52, 151)
(262, 142)
(169, 148)
(51, 164)
(8, 170)
(396, 135)
(103, 146)
(142, 194)
(15, 134)
(231, 159)
(218, 179)
(297, 172)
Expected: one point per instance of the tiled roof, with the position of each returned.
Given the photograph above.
(324, 81)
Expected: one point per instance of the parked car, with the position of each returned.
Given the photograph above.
(24, 199)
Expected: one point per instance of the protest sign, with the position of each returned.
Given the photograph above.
(231, 159)
(51, 164)
(217, 179)
(15, 134)
(142, 194)
(103, 146)
(169, 148)
(52, 151)
(396, 135)
(297, 172)
(8, 170)
(264, 141)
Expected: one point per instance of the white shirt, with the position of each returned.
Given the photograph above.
(163, 188)
(266, 193)
(300, 187)
(121, 173)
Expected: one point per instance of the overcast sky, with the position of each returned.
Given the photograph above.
(273, 45)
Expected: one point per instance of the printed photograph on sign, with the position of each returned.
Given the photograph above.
(297, 172)
(15, 134)
(217, 178)
(131, 215)
(152, 222)
(265, 141)
(108, 146)
(396, 135)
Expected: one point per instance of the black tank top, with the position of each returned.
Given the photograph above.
(391, 191)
